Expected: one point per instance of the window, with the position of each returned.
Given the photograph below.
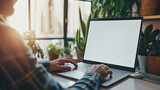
(73, 15)
(20, 20)
(47, 18)
(55, 21)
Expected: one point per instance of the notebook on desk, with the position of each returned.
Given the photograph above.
(113, 42)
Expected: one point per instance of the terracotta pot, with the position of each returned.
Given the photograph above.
(67, 56)
(79, 56)
(149, 7)
(53, 56)
(154, 65)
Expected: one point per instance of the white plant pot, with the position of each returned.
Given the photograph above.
(143, 63)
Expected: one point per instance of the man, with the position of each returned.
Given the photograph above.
(19, 70)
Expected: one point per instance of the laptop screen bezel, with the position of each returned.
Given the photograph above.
(111, 65)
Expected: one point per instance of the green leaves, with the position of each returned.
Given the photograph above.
(152, 36)
(67, 50)
(144, 43)
(36, 49)
(54, 48)
(87, 27)
(78, 36)
(113, 8)
(106, 6)
(148, 43)
(83, 26)
(80, 41)
(148, 31)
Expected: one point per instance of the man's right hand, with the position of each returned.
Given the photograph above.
(101, 69)
(59, 64)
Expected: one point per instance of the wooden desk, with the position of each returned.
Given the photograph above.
(125, 84)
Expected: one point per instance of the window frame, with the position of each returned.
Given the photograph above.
(65, 21)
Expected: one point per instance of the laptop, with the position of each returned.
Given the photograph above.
(110, 41)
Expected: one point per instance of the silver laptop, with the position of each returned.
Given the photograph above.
(113, 42)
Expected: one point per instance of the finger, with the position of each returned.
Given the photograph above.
(106, 67)
(69, 58)
(94, 65)
(64, 68)
(72, 59)
(69, 61)
(108, 72)
(103, 65)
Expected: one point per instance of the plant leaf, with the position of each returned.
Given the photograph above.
(78, 38)
(148, 31)
(82, 23)
(105, 8)
(153, 35)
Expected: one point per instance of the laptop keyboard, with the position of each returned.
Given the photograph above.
(83, 67)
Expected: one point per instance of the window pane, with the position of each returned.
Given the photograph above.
(44, 43)
(73, 15)
(19, 20)
(47, 17)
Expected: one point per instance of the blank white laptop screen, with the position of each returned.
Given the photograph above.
(113, 41)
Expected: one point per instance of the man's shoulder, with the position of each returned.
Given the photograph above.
(5, 26)
(11, 40)
(7, 31)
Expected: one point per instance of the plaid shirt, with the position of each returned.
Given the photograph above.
(19, 70)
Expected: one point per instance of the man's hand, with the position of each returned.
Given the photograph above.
(59, 64)
(101, 69)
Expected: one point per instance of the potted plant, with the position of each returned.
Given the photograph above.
(147, 46)
(67, 51)
(36, 49)
(79, 40)
(154, 55)
(53, 51)
(114, 8)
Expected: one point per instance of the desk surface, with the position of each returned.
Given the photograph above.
(125, 84)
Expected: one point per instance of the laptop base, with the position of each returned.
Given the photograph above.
(78, 74)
